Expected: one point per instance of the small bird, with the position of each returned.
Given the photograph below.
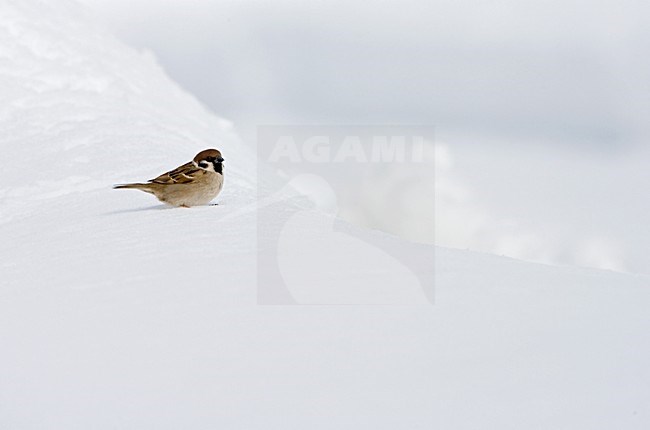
(192, 184)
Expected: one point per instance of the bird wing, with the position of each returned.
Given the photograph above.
(184, 174)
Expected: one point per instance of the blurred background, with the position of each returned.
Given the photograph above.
(541, 108)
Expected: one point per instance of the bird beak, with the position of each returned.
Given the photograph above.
(220, 160)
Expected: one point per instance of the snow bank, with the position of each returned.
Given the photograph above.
(80, 110)
(116, 312)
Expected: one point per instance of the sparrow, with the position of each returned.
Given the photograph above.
(192, 184)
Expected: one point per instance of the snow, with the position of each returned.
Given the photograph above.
(117, 312)
(511, 98)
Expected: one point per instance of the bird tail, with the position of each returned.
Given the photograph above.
(142, 187)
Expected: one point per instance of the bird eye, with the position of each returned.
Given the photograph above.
(203, 164)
